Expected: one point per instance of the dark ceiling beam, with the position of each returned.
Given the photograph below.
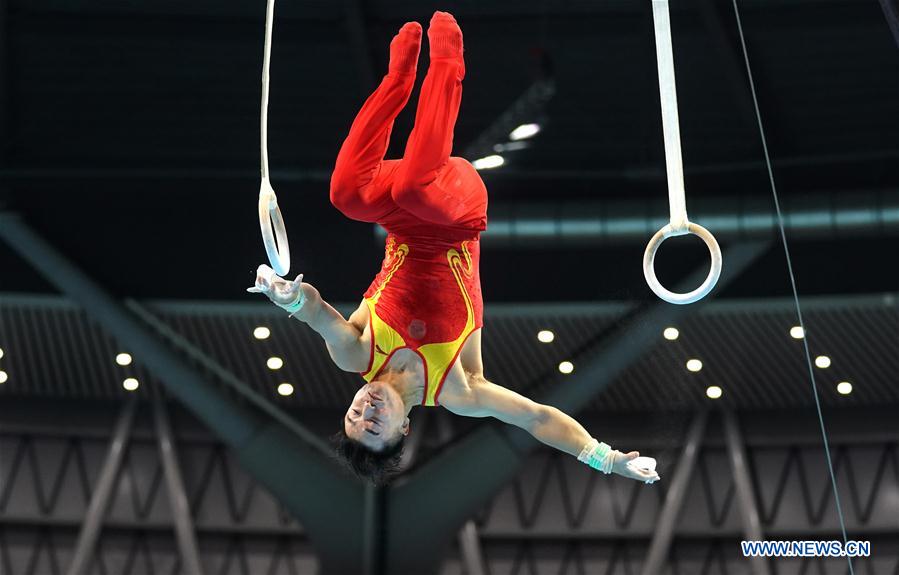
(506, 9)
(5, 88)
(292, 469)
(633, 173)
(891, 11)
(400, 11)
(656, 172)
(354, 21)
(823, 216)
(205, 9)
(488, 458)
(162, 174)
(731, 57)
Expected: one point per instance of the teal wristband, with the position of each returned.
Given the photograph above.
(297, 305)
(599, 456)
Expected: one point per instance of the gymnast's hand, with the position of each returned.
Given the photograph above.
(284, 293)
(621, 467)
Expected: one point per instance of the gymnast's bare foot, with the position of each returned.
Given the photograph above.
(404, 49)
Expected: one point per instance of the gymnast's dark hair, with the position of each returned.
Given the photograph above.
(375, 466)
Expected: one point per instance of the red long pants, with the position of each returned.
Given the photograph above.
(427, 185)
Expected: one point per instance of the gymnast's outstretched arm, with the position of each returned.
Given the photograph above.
(546, 423)
(304, 302)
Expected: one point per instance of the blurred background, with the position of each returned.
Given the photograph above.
(155, 418)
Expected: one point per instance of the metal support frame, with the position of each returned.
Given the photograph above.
(371, 527)
(891, 11)
(483, 462)
(184, 528)
(225, 376)
(101, 496)
(749, 512)
(486, 459)
(292, 468)
(469, 542)
(674, 498)
(373, 534)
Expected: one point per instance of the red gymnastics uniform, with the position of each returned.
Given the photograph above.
(427, 296)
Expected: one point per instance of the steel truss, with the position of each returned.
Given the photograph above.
(556, 516)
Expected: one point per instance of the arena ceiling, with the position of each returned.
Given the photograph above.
(130, 134)
(53, 350)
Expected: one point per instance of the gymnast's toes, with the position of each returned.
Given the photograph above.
(442, 16)
(404, 48)
(410, 31)
(444, 36)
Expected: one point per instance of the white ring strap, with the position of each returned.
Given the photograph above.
(680, 223)
(269, 212)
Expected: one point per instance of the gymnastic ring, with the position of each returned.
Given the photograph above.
(270, 217)
(649, 263)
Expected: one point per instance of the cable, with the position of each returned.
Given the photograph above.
(783, 236)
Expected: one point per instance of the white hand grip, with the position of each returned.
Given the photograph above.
(649, 264)
(644, 463)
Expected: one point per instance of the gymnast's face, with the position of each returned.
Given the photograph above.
(377, 416)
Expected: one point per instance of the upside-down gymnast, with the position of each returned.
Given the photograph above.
(416, 336)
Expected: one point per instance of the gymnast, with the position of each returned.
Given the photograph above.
(416, 336)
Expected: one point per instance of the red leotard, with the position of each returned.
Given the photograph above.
(427, 296)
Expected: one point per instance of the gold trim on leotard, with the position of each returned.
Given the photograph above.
(437, 358)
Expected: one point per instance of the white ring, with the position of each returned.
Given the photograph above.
(270, 217)
(649, 263)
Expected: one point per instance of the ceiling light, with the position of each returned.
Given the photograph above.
(510, 147)
(546, 336)
(524, 131)
(488, 162)
(671, 333)
(261, 332)
(130, 384)
(1, 353)
(285, 389)
(3, 376)
(123, 359)
(275, 363)
(694, 365)
(713, 391)
(566, 367)
(844, 388)
(822, 361)
(796, 332)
